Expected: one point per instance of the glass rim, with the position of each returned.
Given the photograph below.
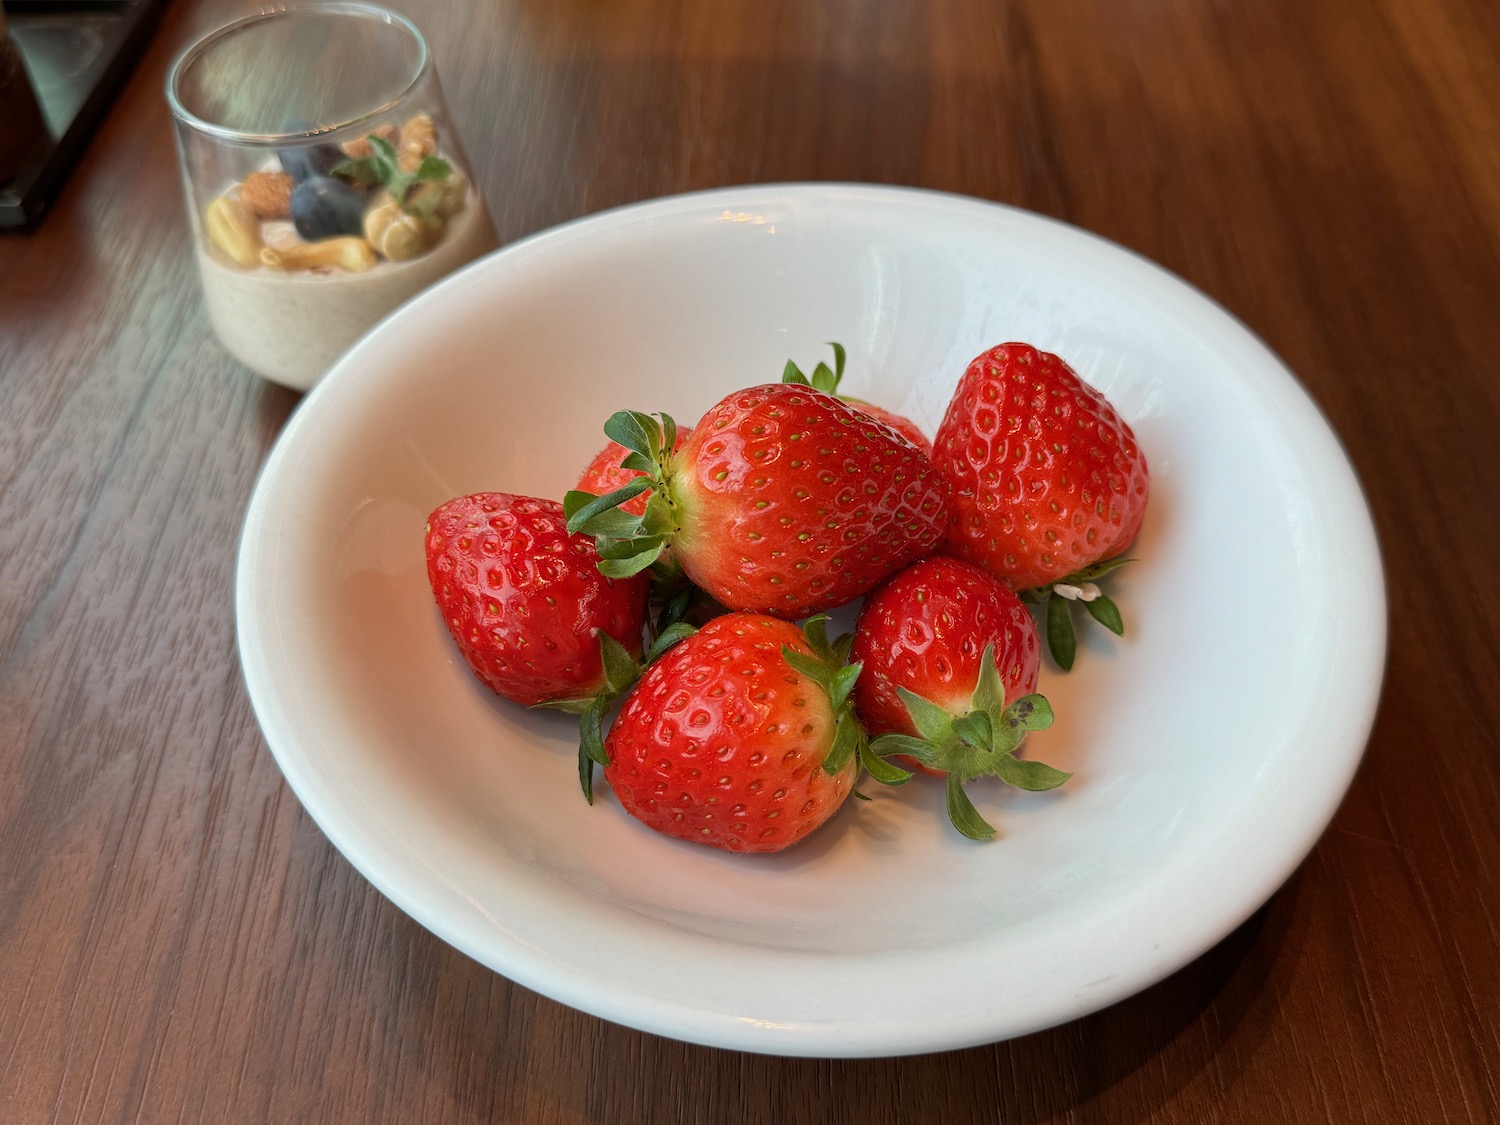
(195, 50)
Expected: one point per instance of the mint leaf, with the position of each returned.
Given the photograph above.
(432, 168)
(383, 167)
(360, 173)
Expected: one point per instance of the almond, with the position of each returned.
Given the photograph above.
(268, 194)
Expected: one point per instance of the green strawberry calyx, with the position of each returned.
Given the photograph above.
(1059, 598)
(830, 669)
(621, 671)
(628, 544)
(980, 743)
(823, 378)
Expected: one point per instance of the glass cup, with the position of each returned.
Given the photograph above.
(325, 183)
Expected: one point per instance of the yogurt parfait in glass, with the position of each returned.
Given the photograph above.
(325, 182)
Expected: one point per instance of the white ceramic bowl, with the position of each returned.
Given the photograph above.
(1211, 745)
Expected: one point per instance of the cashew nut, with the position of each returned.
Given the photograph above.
(232, 228)
(352, 255)
(397, 234)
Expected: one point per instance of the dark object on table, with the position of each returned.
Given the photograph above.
(76, 56)
(23, 133)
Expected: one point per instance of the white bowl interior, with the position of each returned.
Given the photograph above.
(1211, 744)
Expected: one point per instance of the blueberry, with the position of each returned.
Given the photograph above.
(323, 207)
(306, 161)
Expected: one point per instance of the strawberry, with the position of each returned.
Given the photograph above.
(827, 380)
(524, 600)
(741, 737)
(900, 423)
(925, 629)
(533, 616)
(605, 474)
(950, 667)
(1046, 483)
(783, 501)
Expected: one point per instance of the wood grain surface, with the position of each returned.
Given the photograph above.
(179, 943)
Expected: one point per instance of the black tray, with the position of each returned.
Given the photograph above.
(77, 54)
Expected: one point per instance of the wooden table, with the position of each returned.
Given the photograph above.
(179, 943)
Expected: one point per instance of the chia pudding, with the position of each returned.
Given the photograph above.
(290, 327)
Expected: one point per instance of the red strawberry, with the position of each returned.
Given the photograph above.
(925, 630)
(1046, 482)
(901, 424)
(525, 601)
(827, 380)
(605, 474)
(741, 737)
(950, 663)
(784, 501)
